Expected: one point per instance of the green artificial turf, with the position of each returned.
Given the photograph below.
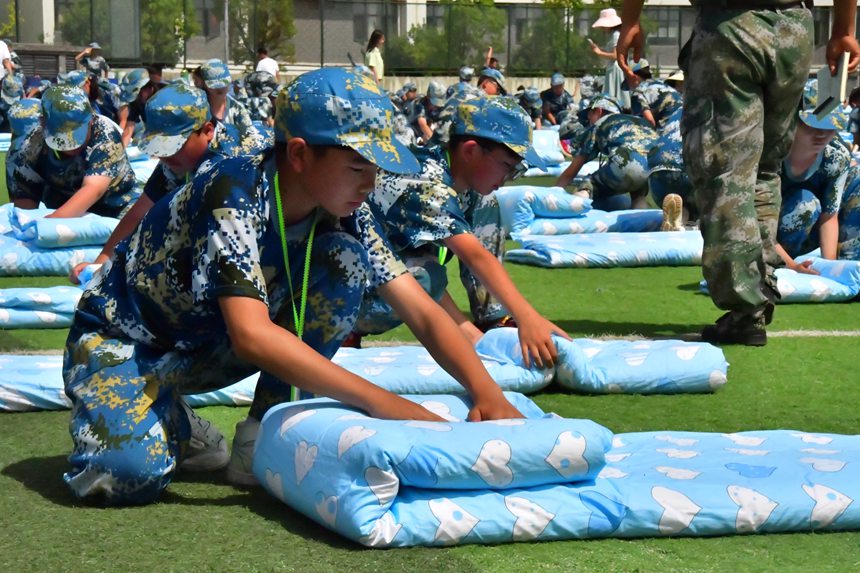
(204, 524)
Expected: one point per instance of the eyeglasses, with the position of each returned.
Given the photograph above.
(514, 172)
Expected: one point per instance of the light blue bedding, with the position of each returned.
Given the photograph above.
(388, 483)
(838, 281)
(51, 307)
(677, 248)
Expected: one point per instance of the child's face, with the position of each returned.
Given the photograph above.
(491, 168)
(188, 157)
(339, 179)
(810, 139)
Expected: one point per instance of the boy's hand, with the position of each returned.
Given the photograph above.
(393, 407)
(75, 273)
(536, 341)
(496, 407)
(804, 268)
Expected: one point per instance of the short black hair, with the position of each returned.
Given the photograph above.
(485, 144)
(263, 50)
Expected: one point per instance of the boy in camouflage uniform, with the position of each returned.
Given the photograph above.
(623, 142)
(211, 288)
(92, 61)
(424, 112)
(74, 162)
(557, 101)
(261, 86)
(532, 104)
(737, 129)
(653, 99)
(450, 203)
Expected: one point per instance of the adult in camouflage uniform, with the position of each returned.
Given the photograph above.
(622, 143)
(74, 162)
(813, 180)
(208, 288)
(450, 204)
(92, 61)
(744, 67)
(557, 101)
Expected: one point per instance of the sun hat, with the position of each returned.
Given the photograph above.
(339, 106)
(67, 114)
(172, 114)
(499, 119)
(609, 18)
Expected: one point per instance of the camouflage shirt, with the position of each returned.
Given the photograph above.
(422, 208)
(216, 237)
(654, 95)
(557, 104)
(826, 177)
(618, 130)
(95, 65)
(34, 171)
(667, 153)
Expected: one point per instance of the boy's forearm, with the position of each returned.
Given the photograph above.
(631, 10)
(844, 13)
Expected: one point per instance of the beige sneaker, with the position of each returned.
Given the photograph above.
(207, 448)
(673, 213)
(240, 468)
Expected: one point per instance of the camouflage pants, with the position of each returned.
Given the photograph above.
(128, 430)
(666, 181)
(377, 316)
(745, 74)
(624, 172)
(849, 218)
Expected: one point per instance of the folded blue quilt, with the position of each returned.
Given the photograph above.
(548, 146)
(389, 483)
(51, 307)
(30, 383)
(142, 164)
(838, 281)
(5, 142)
(27, 257)
(677, 248)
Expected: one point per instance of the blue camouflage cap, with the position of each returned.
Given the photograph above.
(131, 84)
(338, 106)
(556, 79)
(494, 75)
(466, 73)
(532, 97)
(67, 114)
(24, 117)
(76, 78)
(810, 93)
(172, 114)
(829, 122)
(95, 46)
(499, 119)
(215, 74)
(11, 89)
(605, 103)
(436, 93)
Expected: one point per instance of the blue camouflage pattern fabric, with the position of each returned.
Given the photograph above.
(149, 328)
(240, 132)
(736, 132)
(666, 172)
(445, 116)
(622, 142)
(24, 117)
(418, 212)
(419, 108)
(807, 196)
(530, 103)
(848, 246)
(34, 171)
(558, 105)
(95, 65)
(658, 97)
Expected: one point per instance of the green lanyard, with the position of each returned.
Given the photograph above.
(298, 314)
(443, 250)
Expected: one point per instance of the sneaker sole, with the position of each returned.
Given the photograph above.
(673, 207)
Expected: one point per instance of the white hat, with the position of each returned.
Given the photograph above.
(676, 77)
(608, 19)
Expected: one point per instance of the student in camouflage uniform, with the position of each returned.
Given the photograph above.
(450, 203)
(183, 135)
(532, 104)
(424, 112)
(92, 61)
(492, 82)
(136, 88)
(653, 99)
(261, 86)
(623, 142)
(737, 130)
(465, 84)
(210, 288)
(74, 162)
(848, 246)
(666, 172)
(557, 101)
(813, 180)
(24, 117)
(11, 91)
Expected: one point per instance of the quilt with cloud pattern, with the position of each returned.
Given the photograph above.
(387, 483)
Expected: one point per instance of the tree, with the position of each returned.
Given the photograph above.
(551, 44)
(470, 27)
(255, 23)
(7, 30)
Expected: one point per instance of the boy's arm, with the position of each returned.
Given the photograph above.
(535, 331)
(469, 330)
(256, 339)
(92, 189)
(127, 133)
(446, 343)
(572, 170)
(804, 268)
(630, 37)
(842, 36)
(828, 232)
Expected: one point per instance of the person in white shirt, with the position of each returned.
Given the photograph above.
(5, 60)
(373, 57)
(267, 64)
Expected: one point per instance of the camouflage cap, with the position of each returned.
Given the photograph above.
(215, 74)
(494, 75)
(95, 46)
(810, 93)
(410, 87)
(606, 103)
(76, 78)
(24, 117)
(436, 93)
(532, 97)
(556, 79)
(131, 84)
(829, 122)
(498, 119)
(262, 83)
(640, 65)
(172, 114)
(67, 116)
(466, 73)
(11, 89)
(338, 106)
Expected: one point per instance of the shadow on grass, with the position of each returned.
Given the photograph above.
(44, 476)
(690, 287)
(671, 330)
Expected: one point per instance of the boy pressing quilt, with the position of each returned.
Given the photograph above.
(388, 483)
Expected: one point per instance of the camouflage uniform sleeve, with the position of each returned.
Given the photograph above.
(835, 169)
(104, 153)
(23, 181)
(638, 101)
(588, 143)
(160, 183)
(427, 212)
(385, 265)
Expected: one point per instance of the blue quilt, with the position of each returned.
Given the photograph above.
(31, 245)
(838, 281)
(389, 483)
(677, 248)
(51, 307)
(5, 142)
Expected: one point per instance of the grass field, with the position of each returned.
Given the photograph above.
(204, 524)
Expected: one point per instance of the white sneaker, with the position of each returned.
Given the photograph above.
(673, 213)
(239, 470)
(207, 448)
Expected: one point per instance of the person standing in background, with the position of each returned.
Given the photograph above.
(373, 57)
(267, 64)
